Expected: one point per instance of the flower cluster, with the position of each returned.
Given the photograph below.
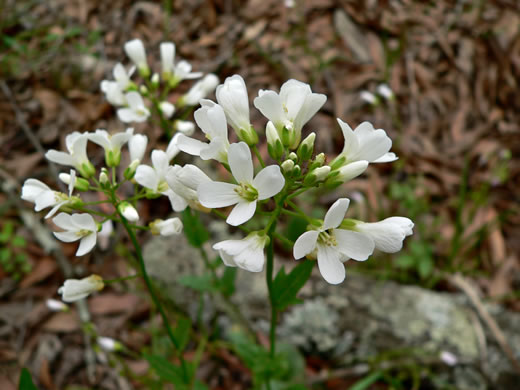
(137, 102)
(271, 191)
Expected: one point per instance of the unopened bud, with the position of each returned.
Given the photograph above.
(80, 183)
(338, 162)
(143, 89)
(155, 79)
(167, 109)
(130, 171)
(103, 178)
(87, 170)
(297, 171)
(385, 91)
(249, 136)
(317, 175)
(185, 127)
(287, 166)
(306, 147)
(274, 143)
(293, 156)
(286, 136)
(108, 344)
(128, 211)
(113, 157)
(55, 305)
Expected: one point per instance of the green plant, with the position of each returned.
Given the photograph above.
(13, 257)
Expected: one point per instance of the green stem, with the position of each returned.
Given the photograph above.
(294, 194)
(269, 279)
(258, 156)
(155, 299)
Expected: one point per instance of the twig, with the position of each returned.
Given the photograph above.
(470, 291)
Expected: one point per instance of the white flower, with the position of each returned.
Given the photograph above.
(185, 180)
(200, 90)
(55, 305)
(135, 51)
(42, 196)
(388, 234)
(122, 77)
(128, 211)
(179, 72)
(155, 178)
(168, 227)
(112, 144)
(212, 120)
(108, 344)
(167, 109)
(185, 127)
(136, 110)
(113, 93)
(334, 245)
(267, 183)
(77, 227)
(292, 108)
(77, 154)
(232, 96)
(137, 146)
(368, 97)
(448, 358)
(76, 289)
(385, 91)
(247, 253)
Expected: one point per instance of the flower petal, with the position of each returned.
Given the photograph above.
(190, 145)
(241, 213)
(127, 115)
(60, 157)
(355, 245)
(351, 146)
(64, 221)
(67, 236)
(268, 182)
(178, 202)
(331, 268)
(336, 214)
(373, 144)
(240, 162)
(86, 244)
(310, 107)
(387, 157)
(216, 194)
(84, 221)
(305, 244)
(146, 176)
(270, 105)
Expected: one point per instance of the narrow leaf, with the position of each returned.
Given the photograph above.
(194, 229)
(285, 290)
(26, 382)
(166, 370)
(182, 332)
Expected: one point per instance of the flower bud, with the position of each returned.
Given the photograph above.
(103, 178)
(347, 172)
(297, 171)
(199, 91)
(55, 305)
(385, 91)
(185, 127)
(166, 228)
(108, 344)
(317, 175)
(306, 147)
(80, 184)
(76, 289)
(87, 169)
(274, 143)
(135, 51)
(167, 109)
(144, 90)
(369, 97)
(155, 80)
(288, 166)
(128, 211)
(137, 146)
(130, 171)
(293, 156)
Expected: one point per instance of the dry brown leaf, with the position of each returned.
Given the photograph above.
(41, 271)
(112, 303)
(62, 323)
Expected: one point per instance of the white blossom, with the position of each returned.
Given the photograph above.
(179, 72)
(108, 344)
(136, 110)
(212, 120)
(233, 98)
(137, 147)
(168, 227)
(385, 91)
(77, 154)
(42, 196)
(332, 245)
(77, 227)
(292, 108)
(128, 211)
(134, 49)
(103, 236)
(76, 289)
(368, 97)
(111, 143)
(154, 178)
(247, 253)
(185, 180)
(200, 90)
(185, 127)
(267, 183)
(173, 150)
(167, 109)
(113, 93)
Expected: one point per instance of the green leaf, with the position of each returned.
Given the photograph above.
(286, 287)
(367, 381)
(19, 241)
(194, 229)
(227, 282)
(182, 332)
(166, 370)
(26, 382)
(425, 267)
(202, 283)
(7, 232)
(405, 261)
(5, 255)
(200, 386)
(296, 226)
